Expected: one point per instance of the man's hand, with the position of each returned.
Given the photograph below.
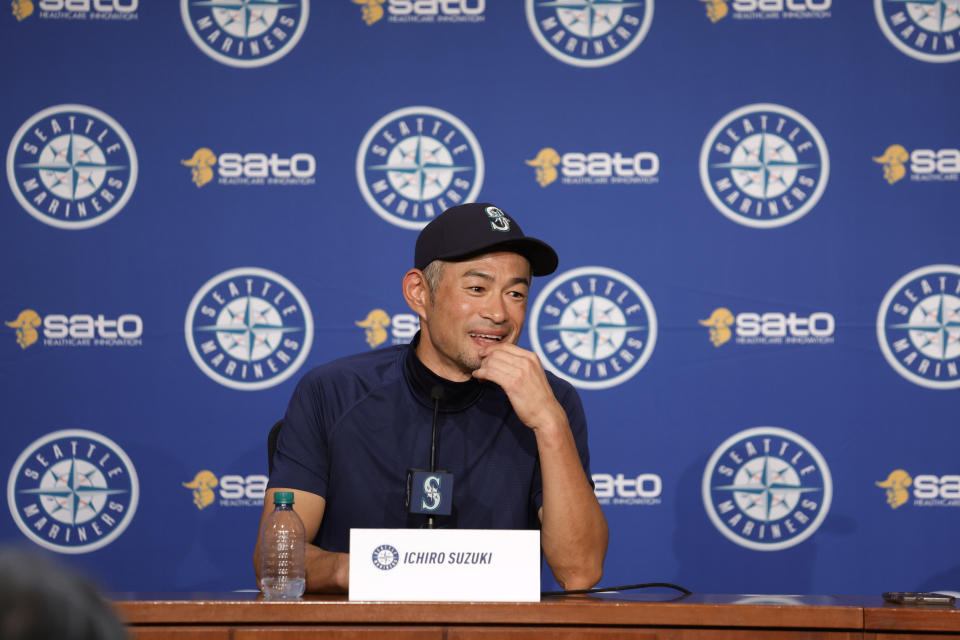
(520, 375)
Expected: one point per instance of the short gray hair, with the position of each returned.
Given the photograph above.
(433, 273)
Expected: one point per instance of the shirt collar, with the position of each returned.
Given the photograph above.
(457, 396)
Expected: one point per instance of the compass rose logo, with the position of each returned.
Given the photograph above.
(71, 166)
(385, 557)
(927, 30)
(918, 326)
(245, 33)
(594, 327)
(73, 491)
(767, 488)
(764, 166)
(416, 162)
(589, 33)
(249, 328)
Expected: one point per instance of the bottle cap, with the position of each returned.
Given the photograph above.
(283, 497)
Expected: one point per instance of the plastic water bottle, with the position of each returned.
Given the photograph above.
(282, 551)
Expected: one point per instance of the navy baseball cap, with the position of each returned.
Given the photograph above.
(467, 230)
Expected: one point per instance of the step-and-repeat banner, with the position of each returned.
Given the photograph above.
(755, 203)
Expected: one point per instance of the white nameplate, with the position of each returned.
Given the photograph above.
(449, 565)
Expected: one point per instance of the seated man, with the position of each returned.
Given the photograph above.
(513, 435)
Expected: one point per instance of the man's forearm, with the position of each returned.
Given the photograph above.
(327, 571)
(574, 529)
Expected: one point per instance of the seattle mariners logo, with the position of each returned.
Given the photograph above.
(385, 557)
(415, 162)
(498, 220)
(767, 488)
(245, 33)
(431, 492)
(927, 30)
(589, 33)
(73, 491)
(594, 327)
(918, 326)
(72, 166)
(249, 328)
(764, 166)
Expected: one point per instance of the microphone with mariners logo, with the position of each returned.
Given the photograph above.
(430, 492)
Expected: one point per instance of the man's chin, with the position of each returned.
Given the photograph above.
(469, 362)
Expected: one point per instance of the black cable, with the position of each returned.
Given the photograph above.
(685, 592)
(437, 394)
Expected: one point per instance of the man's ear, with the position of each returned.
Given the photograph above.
(416, 292)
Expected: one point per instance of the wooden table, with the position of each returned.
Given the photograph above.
(648, 616)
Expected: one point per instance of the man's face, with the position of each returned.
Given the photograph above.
(477, 303)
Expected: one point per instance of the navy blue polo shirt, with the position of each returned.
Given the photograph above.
(355, 425)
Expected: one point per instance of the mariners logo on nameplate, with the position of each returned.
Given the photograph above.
(918, 326)
(767, 488)
(589, 33)
(72, 166)
(73, 491)
(385, 557)
(764, 166)
(245, 33)
(594, 327)
(927, 30)
(416, 162)
(249, 328)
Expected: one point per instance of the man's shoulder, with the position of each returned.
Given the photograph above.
(373, 362)
(378, 365)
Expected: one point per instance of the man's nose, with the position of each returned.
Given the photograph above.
(495, 309)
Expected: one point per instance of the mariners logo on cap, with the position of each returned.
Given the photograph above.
(249, 328)
(767, 488)
(245, 33)
(498, 219)
(594, 327)
(927, 30)
(764, 166)
(73, 491)
(416, 162)
(918, 326)
(72, 166)
(589, 33)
